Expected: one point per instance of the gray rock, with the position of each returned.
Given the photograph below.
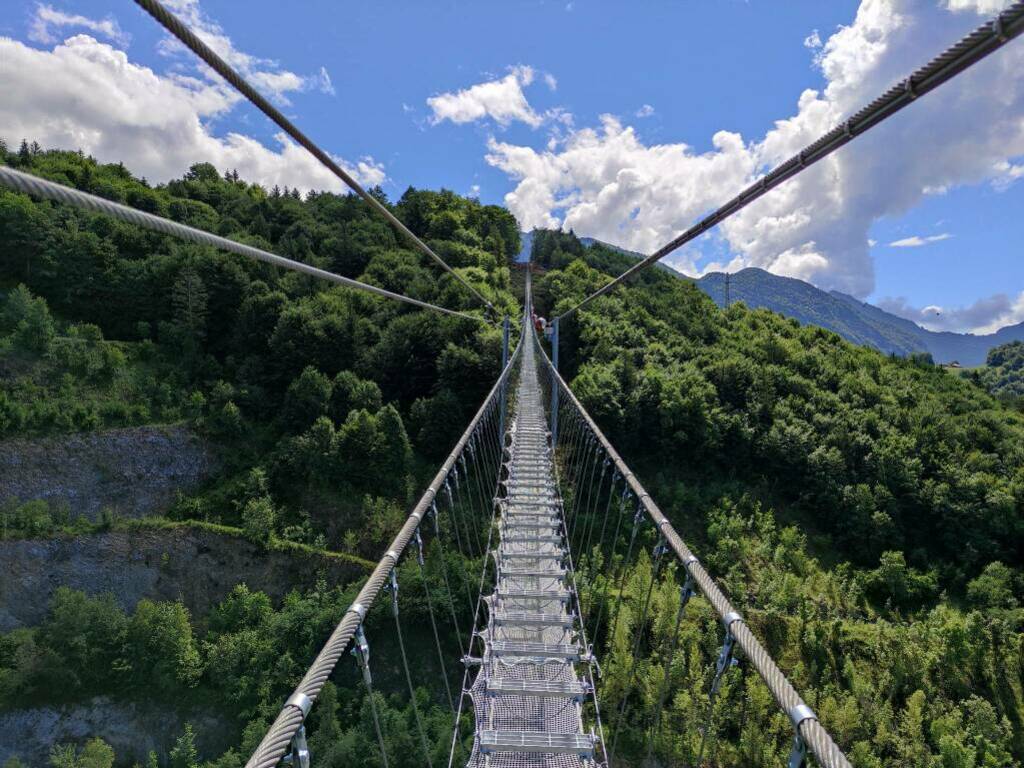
(136, 471)
(197, 566)
(133, 729)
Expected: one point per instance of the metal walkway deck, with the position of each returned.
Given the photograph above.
(527, 696)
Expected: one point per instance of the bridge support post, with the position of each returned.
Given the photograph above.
(505, 329)
(554, 384)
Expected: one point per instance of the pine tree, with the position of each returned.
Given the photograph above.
(184, 753)
(189, 299)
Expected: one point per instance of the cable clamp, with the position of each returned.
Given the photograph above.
(686, 592)
(661, 548)
(725, 661)
(419, 546)
(358, 608)
(361, 650)
(848, 128)
(691, 560)
(908, 86)
(298, 750)
(997, 28)
(301, 702)
(729, 619)
(393, 587)
(392, 554)
(798, 714)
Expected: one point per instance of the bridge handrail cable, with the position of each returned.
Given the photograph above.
(35, 186)
(814, 735)
(276, 742)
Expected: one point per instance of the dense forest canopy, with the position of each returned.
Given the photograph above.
(327, 408)
(864, 510)
(1003, 372)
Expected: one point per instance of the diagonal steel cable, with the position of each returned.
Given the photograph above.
(176, 27)
(35, 186)
(954, 60)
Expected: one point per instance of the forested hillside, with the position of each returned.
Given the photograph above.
(851, 318)
(1003, 372)
(864, 511)
(326, 408)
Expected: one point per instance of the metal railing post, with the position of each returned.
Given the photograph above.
(554, 384)
(505, 330)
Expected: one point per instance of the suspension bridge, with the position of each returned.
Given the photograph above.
(522, 493)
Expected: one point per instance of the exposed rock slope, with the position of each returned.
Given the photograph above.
(135, 471)
(198, 566)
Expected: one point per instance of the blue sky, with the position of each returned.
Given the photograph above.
(623, 120)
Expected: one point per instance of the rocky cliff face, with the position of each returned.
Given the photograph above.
(132, 729)
(136, 471)
(199, 567)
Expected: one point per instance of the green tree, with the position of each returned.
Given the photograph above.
(189, 298)
(307, 398)
(28, 319)
(162, 651)
(184, 753)
(258, 519)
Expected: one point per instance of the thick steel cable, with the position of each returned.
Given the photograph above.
(818, 741)
(51, 190)
(968, 51)
(278, 737)
(176, 27)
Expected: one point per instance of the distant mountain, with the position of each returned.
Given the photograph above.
(854, 320)
(851, 318)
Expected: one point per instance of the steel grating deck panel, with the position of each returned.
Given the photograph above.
(527, 696)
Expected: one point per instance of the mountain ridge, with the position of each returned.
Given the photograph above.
(855, 320)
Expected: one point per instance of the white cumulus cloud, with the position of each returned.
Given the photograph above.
(645, 111)
(502, 100)
(916, 241)
(86, 94)
(604, 182)
(47, 23)
(266, 75)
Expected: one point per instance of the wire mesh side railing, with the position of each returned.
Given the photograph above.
(446, 533)
(607, 510)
